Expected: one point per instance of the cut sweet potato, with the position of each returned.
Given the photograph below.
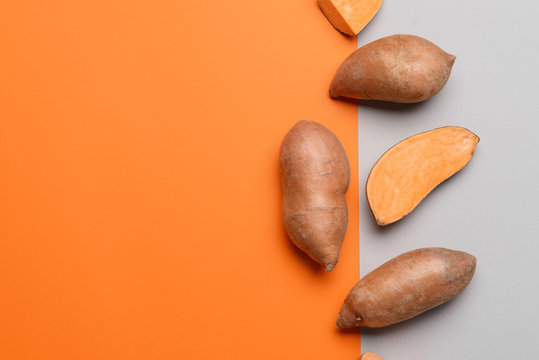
(370, 356)
(410, 170)
(349, 16)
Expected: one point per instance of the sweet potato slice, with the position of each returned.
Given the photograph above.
(410, 170)
(349, 16)
(370, 356)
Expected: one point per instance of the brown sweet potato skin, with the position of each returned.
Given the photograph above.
(315, 175)
(406, 286)
(398, 68)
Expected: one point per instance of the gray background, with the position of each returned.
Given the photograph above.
(489, 209)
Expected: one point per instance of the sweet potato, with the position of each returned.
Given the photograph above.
(370, 356)
(315, 175)
(349, 16)
(406, 286)
(410, 170)
(398, 68)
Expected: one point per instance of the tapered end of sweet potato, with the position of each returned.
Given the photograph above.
(330, 267)
(347, 318)
(450, 61)
(332, 92)
(328, 258)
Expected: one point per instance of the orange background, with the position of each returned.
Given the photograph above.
(139, 185)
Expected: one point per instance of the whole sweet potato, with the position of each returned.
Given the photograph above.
(315, 175)
(406, 286)
(398, 68)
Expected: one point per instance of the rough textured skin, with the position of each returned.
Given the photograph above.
(398, 68)
(406, 286)
(315, 175)
(370, 356)
(411, 169)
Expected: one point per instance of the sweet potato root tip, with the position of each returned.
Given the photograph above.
(411, 169)
(332, 93)
(347, 318)
(330, 267)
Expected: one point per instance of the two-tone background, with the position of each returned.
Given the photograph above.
(140, 193)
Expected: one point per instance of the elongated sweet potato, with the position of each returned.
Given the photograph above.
(315, 175)
(410, 170)
(370, 356)
(398, 68)
(406, 286)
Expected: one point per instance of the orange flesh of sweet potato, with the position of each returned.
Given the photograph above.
(349, 16)
(315, 175)
(410, 170)
(407, 286)
(370, 356)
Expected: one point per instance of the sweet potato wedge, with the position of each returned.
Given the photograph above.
(349, 16)
(370, 356)
(410, 170)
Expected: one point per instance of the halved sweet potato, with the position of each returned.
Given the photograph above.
(410, 170)
(349, 16)
(370, 356)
